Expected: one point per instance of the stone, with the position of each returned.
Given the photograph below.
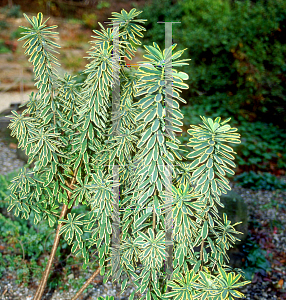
(236, 211)
(22, 155)
(13, 146)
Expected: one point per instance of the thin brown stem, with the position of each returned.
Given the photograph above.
(46, 240)
(64, 212)
(37, 297)
(86, 284)
(44, 280)
(21, 244)
(154, 219)
(201, 254)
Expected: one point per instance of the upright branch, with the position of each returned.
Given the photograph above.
(42, 134)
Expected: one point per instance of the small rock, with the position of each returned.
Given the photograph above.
(71, 276)
(13, 146)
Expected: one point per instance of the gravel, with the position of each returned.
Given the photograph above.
(258, 289)
(8, 159)
(258, 203)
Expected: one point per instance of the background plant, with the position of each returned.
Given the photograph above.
(255, 260)
(262, 181)
(4, 24)
(103, 4)
(16, 34)
(3, 47)
(12, 12)
(65, 133)
(89, 20)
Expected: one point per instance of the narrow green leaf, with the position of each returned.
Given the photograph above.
(195, 153)
(209, 150)
(150, 116)
(199, 170)
(210, 163)
(210, 174)
(155, 125)
(197, 266)
(205, 230)
(195, 163)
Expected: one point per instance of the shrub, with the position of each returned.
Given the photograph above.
(73, 135)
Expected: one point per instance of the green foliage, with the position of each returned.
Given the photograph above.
(24, 238)
(255, 260)
(13, 12)
(69, 133)
(106, 298)
(21, 238)
(238, 52)
(160, 11)
(3, 24)
(103, 4)
(89, 20)
(2, 265)
(3, 189)
(80, 77)
(262, 143)
(3, 47)
(262, 181)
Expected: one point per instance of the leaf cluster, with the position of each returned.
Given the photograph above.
(261, 145)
